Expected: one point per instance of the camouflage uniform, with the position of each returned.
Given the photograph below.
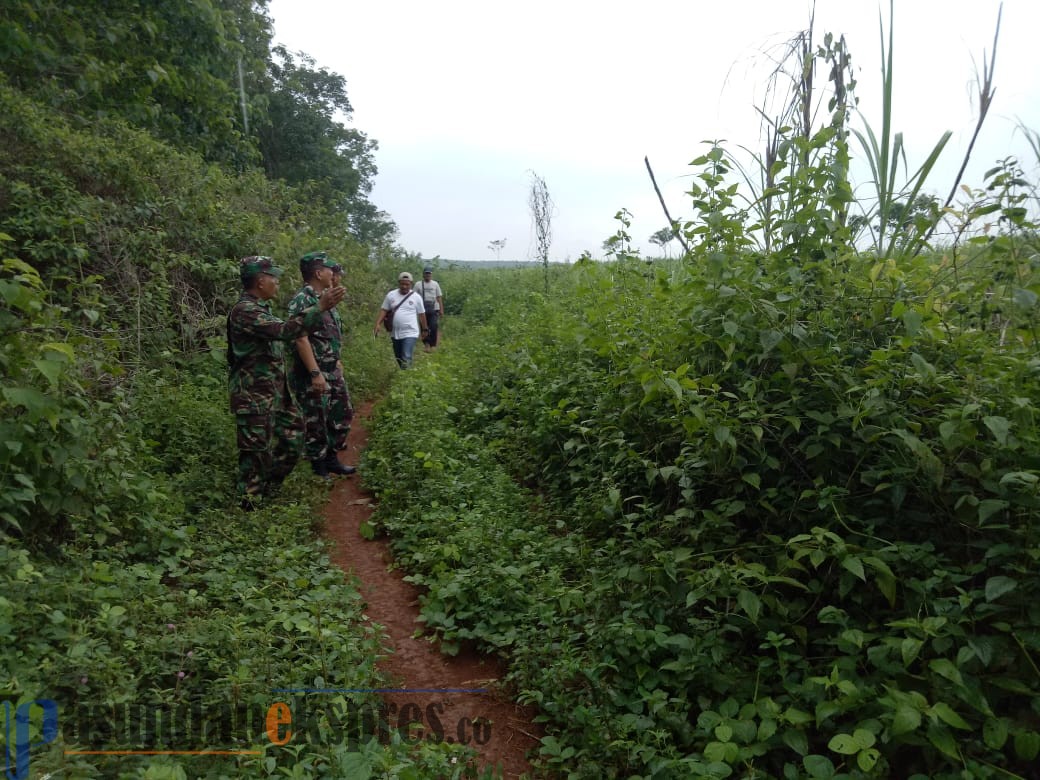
(268, 422)
(341, 410)
(319, 441)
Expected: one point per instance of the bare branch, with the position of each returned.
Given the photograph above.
(671, 222)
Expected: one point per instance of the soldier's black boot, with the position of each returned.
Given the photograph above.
(250, 502)
(320, 469)
(333, 466)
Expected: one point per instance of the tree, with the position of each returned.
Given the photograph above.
(662, 238)
(497, 246)
(202, 76)
(170, 68)
(302, 142)
(542, 212)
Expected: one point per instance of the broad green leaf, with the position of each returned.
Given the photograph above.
(983, 648)
(999, 427)
(998, 586)
(945, 668)
(51, 369)
(750, 603)
(675, 387)
(32, 399)
(1019, 480)
(769, 339)
(844, 744)
(819, 767)
(864, 738)
(723, 733)
(947, 715)
(723, 435)
(909, 649)
(995, 732)
(355, 765)
(868, 758)
(855, 566)
(721, 752)
(989, 507)
(797, 717)
(60, 347)
(796, 740)
(912, 321)
(923, 366)
(950, 433)
(1027, 745)
(944, 741)
(905, 720)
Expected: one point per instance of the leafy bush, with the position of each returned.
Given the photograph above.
(782, 523)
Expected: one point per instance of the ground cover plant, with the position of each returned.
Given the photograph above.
(773, 506)
(132, 587)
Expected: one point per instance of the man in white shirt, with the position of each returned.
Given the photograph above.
(433, 302)
(408, 319)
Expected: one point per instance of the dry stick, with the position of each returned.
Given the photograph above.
(986, 92)
(671, 222)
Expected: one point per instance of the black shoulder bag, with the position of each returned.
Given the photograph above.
(388, 320)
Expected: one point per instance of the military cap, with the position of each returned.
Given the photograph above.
(312, 259)
(248, 267)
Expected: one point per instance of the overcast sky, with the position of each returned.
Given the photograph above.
(466, 98)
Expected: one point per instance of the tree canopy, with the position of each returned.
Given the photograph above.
(203, 76)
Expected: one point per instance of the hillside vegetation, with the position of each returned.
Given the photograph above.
(132, 594)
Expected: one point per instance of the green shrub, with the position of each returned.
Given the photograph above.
(781, 530)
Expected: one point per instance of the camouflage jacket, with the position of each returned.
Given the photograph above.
(324, 339)
(256, 354)
(337, 339)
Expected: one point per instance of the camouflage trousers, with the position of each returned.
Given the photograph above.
(341, 410)
(268, 447)
(326, 416)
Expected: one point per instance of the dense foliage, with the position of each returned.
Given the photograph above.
(128, 189)
(202, 76)
(764, 534)
(752, 513)
(769, 510)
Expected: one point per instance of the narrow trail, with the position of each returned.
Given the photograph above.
(439, 688)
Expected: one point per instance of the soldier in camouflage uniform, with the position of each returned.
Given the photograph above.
(268, 423)
(315, 363)
(341, 410)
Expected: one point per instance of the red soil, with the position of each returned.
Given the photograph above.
(415, 663)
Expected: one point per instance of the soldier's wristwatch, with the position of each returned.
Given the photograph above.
(315, 373)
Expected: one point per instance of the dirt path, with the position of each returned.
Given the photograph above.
(436, 687)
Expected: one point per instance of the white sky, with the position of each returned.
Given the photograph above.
(466, 97)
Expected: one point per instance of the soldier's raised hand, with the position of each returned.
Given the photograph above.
(330, 297)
